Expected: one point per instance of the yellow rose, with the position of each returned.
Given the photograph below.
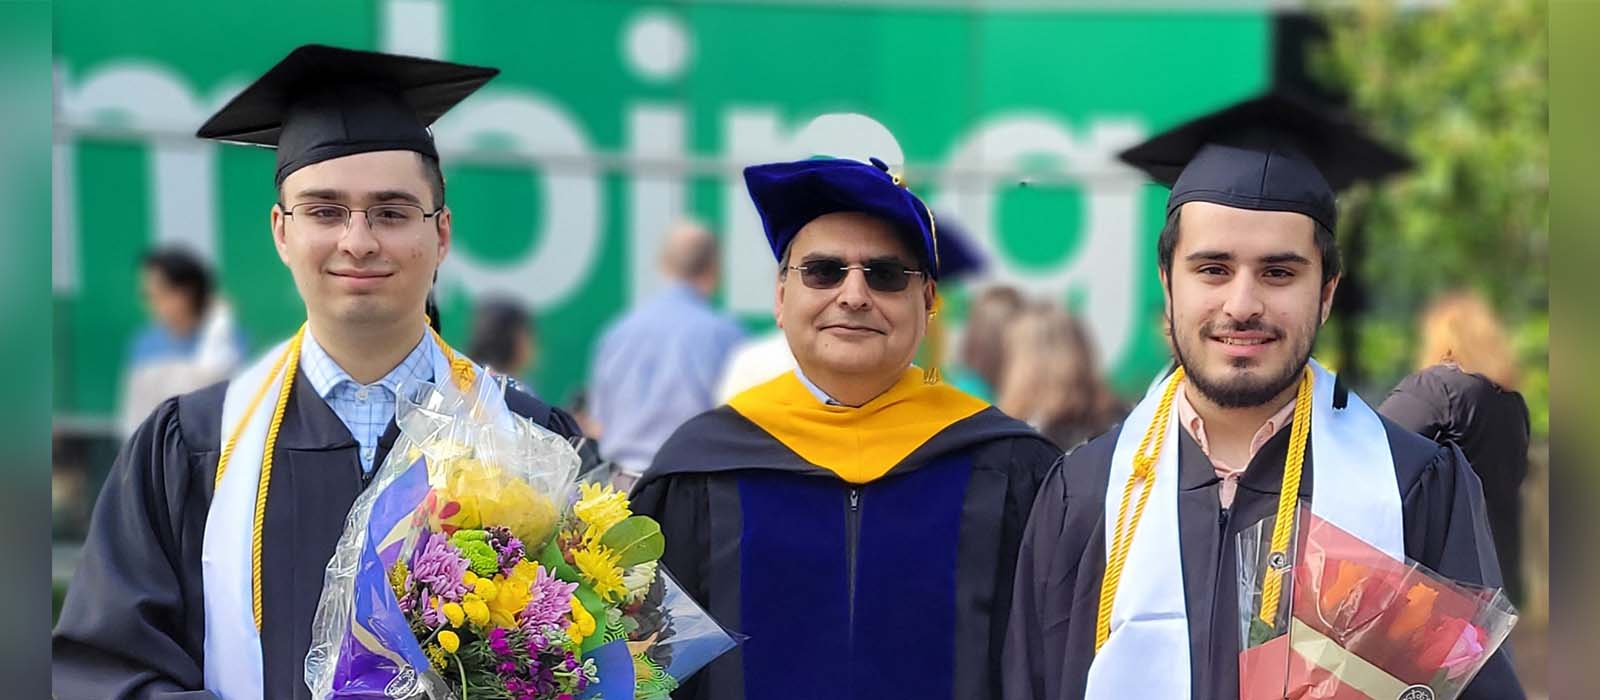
(449, 641)
(486, 588)
(512, 594)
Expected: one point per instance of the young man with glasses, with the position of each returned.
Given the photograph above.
(204, 564)
(856, 519)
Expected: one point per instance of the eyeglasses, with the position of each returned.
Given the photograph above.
(882, 276)
(382, 217)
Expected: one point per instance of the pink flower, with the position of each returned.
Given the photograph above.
(1466, 653)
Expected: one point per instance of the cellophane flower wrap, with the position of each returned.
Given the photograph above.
(1354, 623)
(475, 567)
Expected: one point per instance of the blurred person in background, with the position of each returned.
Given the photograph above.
(658, 365)
(504, 338)
(982, 341)
(854, 498)
(190, 342)
(1465, 391)
(1051, 379)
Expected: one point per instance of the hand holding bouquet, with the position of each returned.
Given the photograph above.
(471, 569)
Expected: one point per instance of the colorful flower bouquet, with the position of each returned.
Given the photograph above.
(1357, 624)
(475, 568)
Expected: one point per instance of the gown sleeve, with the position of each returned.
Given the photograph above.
(679, 502)
(1027, 662)
(131, 626)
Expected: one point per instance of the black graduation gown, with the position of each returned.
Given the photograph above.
(133, 623)
(1050, 643)
(897, 588)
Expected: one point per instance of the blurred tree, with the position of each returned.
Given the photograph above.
(1463, 88)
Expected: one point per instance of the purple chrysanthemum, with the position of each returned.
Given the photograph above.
(439, 566)
(432, 616)
(549, 603)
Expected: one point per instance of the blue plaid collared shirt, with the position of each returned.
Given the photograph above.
(365, 409)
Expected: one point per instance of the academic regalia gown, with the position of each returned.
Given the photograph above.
(1050, 643)
(893, 588)
(133, 622)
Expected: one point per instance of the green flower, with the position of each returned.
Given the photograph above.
(481, 557)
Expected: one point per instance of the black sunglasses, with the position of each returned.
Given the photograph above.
(882, 275)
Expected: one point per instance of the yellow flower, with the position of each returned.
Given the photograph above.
(582, 622)
(397, 578)
(598, 565)
(601, 507)
(488, 496)
(512, 594)
(449, 641)
(454, 613)
(477, 611)
(486, 588)
(436, 657)
(469, 578)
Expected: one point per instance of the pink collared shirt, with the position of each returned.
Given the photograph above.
(1191, 421)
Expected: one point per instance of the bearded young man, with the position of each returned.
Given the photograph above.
(1249, 266)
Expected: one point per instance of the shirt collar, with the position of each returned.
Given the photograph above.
(1192, 422)
(814, 389)
(326, 375)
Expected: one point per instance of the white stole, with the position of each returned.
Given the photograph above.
(233, 666)
(1353, 486)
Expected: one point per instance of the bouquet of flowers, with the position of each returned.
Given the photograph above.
(1354, 623)
(475, 567)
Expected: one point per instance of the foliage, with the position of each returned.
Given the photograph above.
(1463, 88)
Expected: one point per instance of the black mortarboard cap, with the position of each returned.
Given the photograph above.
(1275, 152)
(323, 102)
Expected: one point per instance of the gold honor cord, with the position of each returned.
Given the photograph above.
(462, 373)
(1144, 462)
(1144, 468)
(1288, 496)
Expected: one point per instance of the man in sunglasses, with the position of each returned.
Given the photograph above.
(858, 520)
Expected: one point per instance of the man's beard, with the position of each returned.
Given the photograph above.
(1245, 392)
